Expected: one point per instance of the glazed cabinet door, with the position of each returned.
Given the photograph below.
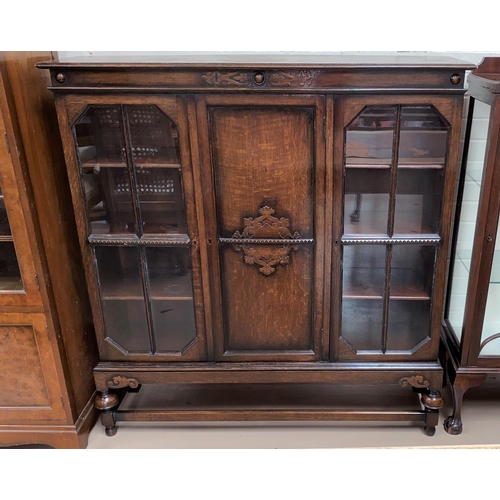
(395, 182)
(131, 181)
(474, 285)
(263, 166)
(30, 388)
(18, 279)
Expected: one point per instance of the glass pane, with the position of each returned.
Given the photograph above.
(171, 289)
(4, 221)
(10, 276)
(366, 201)
(368, 156)
(491, 324)
(155, 148)
(364, 271)
(468, 215)
(422, 151)
(122, 297)
(362, 323)
(412, 269)
(101, 149)
(409, 323)
(363, 294)
(423, 138)
(370, 136)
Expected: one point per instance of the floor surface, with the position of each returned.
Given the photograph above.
(481, 417)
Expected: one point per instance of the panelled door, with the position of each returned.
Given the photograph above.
(263, 168)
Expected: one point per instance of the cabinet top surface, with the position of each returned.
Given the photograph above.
(263, 60)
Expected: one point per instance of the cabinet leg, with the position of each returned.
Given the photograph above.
(432, 401)
(106, 402)
(462, 383)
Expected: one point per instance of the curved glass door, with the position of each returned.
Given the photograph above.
(490, 335)
(468, 203)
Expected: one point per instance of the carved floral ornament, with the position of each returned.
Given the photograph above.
(266, 231)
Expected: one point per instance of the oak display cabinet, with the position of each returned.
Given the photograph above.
(47, 341)
(263, 220)
(471, 331)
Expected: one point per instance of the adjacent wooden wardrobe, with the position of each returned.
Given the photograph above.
(263, 221)
(47, 341)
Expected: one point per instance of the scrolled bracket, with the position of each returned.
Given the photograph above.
(417, 381)
(119, 382)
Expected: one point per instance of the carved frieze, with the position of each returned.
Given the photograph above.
(277, 78)
(226, 78)
(292, 78)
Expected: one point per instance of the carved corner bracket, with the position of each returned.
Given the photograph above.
(118, 382)
(417, 381)
(266, 230)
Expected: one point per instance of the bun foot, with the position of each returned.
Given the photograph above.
(430, 430)
(452, 426)
(111, 431)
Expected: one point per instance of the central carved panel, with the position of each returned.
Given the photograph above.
(266, 230)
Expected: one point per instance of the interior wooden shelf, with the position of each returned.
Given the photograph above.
(368, 283)
(359, 229)
(161, 288)
(91, 164)
(403, 163)
(10, 284)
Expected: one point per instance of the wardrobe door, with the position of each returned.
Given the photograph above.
(263, 159)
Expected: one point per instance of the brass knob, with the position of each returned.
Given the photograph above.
(259, 78)
(455, 79)
(61, 77)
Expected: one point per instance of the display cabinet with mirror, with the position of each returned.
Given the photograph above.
(263, 220)
(471, 331)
